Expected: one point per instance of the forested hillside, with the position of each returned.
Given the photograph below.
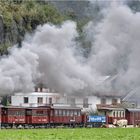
(19, 17)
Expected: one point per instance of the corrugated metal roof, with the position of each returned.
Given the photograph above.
(105, 108)
(133, 109)
(65, 107)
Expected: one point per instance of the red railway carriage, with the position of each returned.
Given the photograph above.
(65, 115)
(0, 114)
(38, 115)
(133, 116)
(13, 115)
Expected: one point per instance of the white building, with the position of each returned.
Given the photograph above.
(88, 103)
(34, 99)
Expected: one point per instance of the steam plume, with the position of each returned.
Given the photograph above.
(50, 56)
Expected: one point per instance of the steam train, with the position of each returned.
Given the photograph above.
(52, 116)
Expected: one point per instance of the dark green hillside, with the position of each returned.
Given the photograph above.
(19, 17)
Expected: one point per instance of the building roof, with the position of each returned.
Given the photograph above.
(133, 109)
(37, 94)
(133, 96)
(109, 107)
(65, 107)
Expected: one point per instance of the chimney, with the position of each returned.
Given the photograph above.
(41, 89)
(36, 89)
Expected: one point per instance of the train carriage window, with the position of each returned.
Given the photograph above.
(120, 114)
(16, 113)
(45, 112)
(75, 112)
(28, 112)
(39, 112)
(56, 112)
(51, 112)
(71, 112)
(113, 113)
(67, 112)
(10, 112)
(116, 113)
(60, 112)
(64, 112)
(79, 113)
(4, 112)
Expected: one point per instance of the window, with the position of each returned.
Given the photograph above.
(50, 100)
(60, 112)
(114, 101)
(71, 101)
(28, 112)
(39, 100)
(64, 112)
(103, 101)
(56, 112)
(79, 113)
(39, 112)
(68, 112)
(85, 102)
(75, 112)
(123, 114)
(113, 113)
(71, 112)
(120, 114)
(26, 100)
(52, 113)
(116, 113)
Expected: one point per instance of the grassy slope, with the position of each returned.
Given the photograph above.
(72, 134)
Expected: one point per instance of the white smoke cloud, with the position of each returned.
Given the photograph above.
(60, 68)
(50, 56)
(116, 47)
(18, 70)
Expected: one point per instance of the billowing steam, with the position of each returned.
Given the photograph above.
(50, 57)
(115, 51)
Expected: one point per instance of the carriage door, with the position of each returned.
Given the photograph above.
(28, 116)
